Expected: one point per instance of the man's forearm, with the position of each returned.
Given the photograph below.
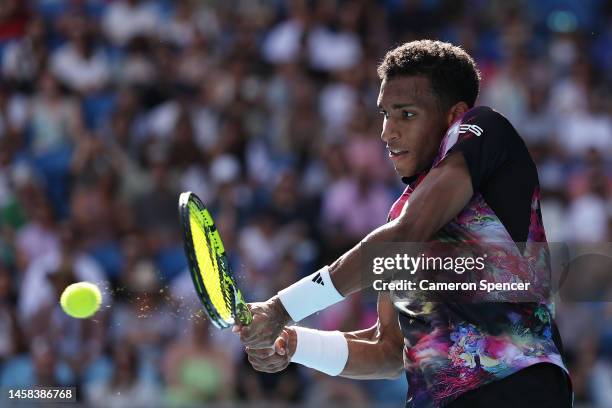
(343, 277)
(367, 355)
(345, 271)
(371, 358)
(439, 198)
(374, 353)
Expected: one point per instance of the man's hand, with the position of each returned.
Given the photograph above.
(269, 318)
(277, 358)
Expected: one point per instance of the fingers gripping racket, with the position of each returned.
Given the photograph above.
(209, 266)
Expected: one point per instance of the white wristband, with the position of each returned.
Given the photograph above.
(325, 351)
(310, 295)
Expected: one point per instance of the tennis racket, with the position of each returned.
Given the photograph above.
(208, 265)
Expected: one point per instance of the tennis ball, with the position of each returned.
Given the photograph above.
(81, 300)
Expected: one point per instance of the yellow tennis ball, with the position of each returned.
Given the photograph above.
(81, 300)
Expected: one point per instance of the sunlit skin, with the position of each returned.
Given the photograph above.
(413, 123)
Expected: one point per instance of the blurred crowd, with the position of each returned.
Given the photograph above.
(266, 109)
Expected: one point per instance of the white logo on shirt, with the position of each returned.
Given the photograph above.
(475, 129)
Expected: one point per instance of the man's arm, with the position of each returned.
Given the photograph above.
(374, 353)
(442, 194)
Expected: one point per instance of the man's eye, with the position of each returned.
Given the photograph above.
(384, 113)
(407, 115)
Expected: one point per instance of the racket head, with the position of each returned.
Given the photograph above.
(208, 263)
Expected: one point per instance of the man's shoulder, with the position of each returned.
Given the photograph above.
(490, 124)
(477, 123)
(485, 115)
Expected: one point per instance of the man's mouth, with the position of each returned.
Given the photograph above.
(393, 153)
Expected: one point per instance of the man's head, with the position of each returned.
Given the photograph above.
(426, 85)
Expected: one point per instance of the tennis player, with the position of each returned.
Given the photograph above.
(469, 177)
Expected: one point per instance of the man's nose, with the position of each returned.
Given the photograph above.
(389, 132)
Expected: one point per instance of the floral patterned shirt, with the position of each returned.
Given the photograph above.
(452, 348)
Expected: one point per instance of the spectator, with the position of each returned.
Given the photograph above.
(355, 205)
(55, 119)
(25, 57)
(126, 19)
(13, 115)
(37, 291)
(55, 125)
(39, 237)
(602, 370)
(181, 28)
(108, 109)
(589, 128)
(10, 332)
(79, 63)
(125, 387)
(333, 43)
(196, 371)
(284, 42)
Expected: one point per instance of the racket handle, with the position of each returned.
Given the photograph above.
(243, 314)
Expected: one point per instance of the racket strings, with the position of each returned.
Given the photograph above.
(218, 254)
(209, 266)
(207, 259)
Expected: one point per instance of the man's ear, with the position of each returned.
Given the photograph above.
(455, 112)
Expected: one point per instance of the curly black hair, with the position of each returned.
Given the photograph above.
(452, 73)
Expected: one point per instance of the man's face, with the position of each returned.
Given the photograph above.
(413, 123)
